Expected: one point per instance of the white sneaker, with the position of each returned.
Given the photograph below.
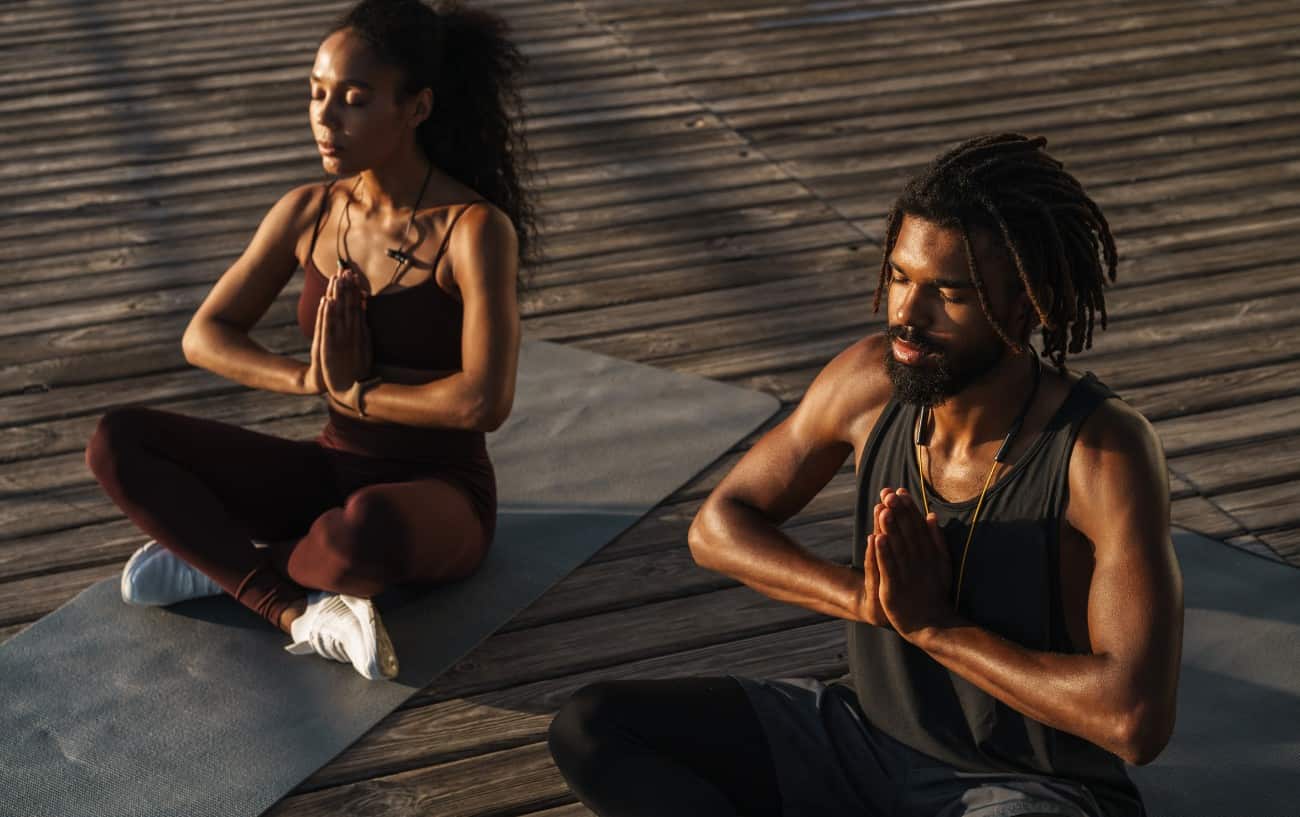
(347, 629)
(156, 577)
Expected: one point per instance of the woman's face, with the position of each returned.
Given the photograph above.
(358, 117)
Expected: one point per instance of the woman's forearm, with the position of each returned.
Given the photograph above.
(231, 353)
(429, 399)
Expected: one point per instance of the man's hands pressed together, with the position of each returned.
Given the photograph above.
(907, 582)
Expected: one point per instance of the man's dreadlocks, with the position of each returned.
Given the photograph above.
(1008, 186)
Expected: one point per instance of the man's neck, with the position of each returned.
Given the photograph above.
(985, 410)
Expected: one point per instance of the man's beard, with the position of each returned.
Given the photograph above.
(932, 384)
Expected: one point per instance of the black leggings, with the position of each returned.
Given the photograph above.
(684, 747)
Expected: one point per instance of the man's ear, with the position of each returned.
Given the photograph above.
(1025, 318)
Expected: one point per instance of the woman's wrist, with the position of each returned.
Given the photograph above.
(354, 399)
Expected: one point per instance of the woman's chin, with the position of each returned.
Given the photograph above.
(334, 166)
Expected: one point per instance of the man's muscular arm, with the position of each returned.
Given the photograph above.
(1121, 696)
(737, 531)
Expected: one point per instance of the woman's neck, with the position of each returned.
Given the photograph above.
(394, 185)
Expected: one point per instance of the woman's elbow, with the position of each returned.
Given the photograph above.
(699, 538)
(489, 414)
(193, 345)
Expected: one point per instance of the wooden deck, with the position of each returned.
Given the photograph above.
(716, 173)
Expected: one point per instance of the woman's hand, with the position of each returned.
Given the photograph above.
(345, 355)
(313, 380)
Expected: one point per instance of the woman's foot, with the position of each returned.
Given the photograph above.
(347, 629)
(156, 577)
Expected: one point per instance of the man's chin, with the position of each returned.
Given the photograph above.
(925, 383)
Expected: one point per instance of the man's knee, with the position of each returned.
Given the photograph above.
(585, 724)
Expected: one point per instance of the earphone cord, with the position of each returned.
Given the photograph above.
(998, 458)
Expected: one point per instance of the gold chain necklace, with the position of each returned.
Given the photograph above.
(998, 459)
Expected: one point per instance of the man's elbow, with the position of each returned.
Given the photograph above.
(1143, 736)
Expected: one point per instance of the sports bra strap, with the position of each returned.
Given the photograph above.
(320, 216)
(446, 238)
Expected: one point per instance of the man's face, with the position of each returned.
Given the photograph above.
(940, 340)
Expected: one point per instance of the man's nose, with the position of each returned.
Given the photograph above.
(910, 308)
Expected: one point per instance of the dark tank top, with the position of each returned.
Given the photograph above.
(418, 327)
(1011, 587)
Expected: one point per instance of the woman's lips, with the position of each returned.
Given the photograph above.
(328, 148)
(907, 353)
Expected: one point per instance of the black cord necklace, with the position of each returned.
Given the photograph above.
(400, 254)
(998, 458)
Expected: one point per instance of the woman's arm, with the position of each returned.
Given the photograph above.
(484, 255)
(217, 337)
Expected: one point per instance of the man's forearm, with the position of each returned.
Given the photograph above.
(1085, 695)
(737, 541)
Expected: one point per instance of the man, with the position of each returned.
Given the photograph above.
(1014, 603)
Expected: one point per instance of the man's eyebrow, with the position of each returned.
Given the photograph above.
(355, 82)
(942, 283)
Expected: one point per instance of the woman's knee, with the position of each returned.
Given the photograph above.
(355, 544)
(117, 436)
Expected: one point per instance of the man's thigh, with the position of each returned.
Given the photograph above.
(828, 762)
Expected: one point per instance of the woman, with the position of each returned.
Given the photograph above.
(410, 257)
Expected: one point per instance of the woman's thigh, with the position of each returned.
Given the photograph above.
(421, 531)
(171, 465)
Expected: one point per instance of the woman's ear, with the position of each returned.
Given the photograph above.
(422, 108)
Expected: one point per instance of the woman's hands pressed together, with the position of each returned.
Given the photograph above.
(345, 346)
(340, 348)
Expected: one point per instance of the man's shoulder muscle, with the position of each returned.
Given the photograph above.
(1117, 472)
(848, 395)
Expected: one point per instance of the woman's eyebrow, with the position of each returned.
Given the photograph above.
(356, 82)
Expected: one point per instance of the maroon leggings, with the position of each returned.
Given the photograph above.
(335, 520)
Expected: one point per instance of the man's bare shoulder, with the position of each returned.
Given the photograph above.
(1116, 430)
(849, 393)
(1119, 485)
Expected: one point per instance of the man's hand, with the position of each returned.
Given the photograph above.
(344, 350)
(870, 610)
(912, 565)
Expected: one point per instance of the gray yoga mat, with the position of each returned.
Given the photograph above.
(197, 710)
(1236, 745)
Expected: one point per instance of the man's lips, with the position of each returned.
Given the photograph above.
(908, 353)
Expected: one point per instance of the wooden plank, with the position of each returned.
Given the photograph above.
(1215, 429)
(451, 729)
(1119, 48)
(1286, 543)
(1265, 508)
(1199, 514)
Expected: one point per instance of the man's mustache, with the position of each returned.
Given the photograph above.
(914, 336)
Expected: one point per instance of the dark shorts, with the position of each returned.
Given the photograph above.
(831, 763)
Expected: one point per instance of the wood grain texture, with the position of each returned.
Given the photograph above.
(715, 177)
